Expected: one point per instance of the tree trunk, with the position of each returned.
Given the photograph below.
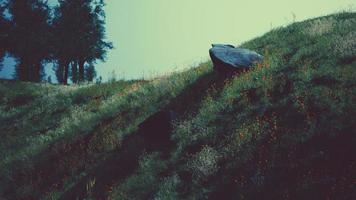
(81, 70)
(60, 72)
(66, 72)
(22, 70)
(36, 72)
(74, 69)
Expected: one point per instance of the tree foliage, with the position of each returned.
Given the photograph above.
(29, 37)
(90, 73)
(81, 24)
(4, 32)
(71, 35)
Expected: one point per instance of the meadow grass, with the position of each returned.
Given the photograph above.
(242, 143)
(82, 110)
(284, 129)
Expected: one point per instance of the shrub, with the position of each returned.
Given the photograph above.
(204, 163)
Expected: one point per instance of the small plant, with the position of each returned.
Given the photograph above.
(320, 26)
(112, 77)
(204, 163)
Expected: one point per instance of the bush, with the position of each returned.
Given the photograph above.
(204, 163)
(168, 189)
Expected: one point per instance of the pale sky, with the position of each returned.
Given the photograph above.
(153, 37)
(158, 36)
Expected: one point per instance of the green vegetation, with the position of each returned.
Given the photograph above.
(283, 130)
(54, 127)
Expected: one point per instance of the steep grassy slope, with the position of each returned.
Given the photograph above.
(55, 134)
(284, 130)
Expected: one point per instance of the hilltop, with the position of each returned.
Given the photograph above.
(284, 130)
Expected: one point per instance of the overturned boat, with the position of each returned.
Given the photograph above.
(227, 58)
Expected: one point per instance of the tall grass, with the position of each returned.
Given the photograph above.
(130, 102)
(289, 118)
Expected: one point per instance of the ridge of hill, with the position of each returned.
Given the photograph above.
(283, 130)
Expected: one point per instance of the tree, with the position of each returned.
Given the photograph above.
(90, 73)
(5, 27)
(80, 36)
(64, 25)
(59, 72)
(93, 43)
(29, 37)
(74, 72)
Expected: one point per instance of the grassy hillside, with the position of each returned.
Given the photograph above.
(284, 130)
